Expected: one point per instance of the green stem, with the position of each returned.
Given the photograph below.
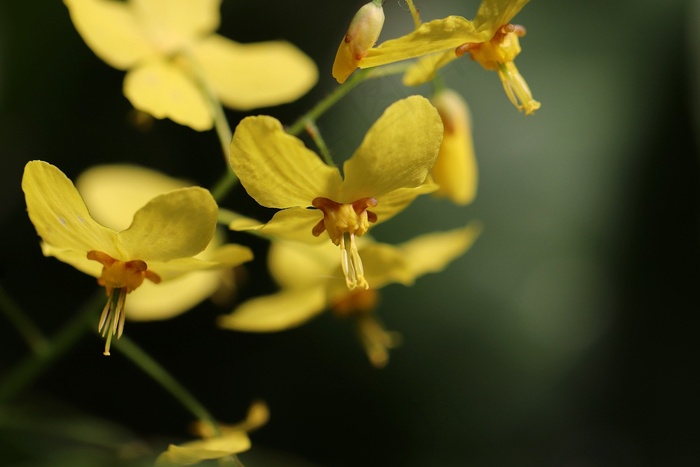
(153, 369)
(315, 134)
(32, 366)
(24, 325)
(414, 13)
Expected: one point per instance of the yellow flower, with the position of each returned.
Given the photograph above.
(231, 439)
(490, 39)
(311, 282)
(112, 194)
(455, 169)
(159, 245)
(362, 34)
(173, 58)
(384, 175)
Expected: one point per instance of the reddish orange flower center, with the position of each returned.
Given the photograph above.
(122, 277)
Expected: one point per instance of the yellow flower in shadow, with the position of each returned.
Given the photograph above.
(311, 281)
(385, 174)
(160, 244)
(230, 439)
(113, 193)
(490, 39)
(174, 61)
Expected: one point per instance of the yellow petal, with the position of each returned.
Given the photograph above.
(384, 264)
(197, 451)
(161, 89)
(59, 214)
(434, 36)
(493, 14)
(396, 201)
(276, 169)
(113, 193)
(455, 169)
(172, 24)
(77, 259)
(247, 76)
(172, 297)
(397, 152)
(288, 224)
(177, 224)
(425, 68)
(433, 252)
(225, 256)
(111, 31)
(286, 309)
(296, 264)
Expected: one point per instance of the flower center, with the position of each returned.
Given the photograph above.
(118, 278)
(343, 222)
(498, 54)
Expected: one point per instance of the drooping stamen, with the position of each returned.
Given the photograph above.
(343, 222)
(516, 88)
(118, 278)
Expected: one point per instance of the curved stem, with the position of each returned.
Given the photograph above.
(32, 366)
(24, 325)
(159, 374)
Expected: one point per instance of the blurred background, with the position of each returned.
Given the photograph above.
(565, 337)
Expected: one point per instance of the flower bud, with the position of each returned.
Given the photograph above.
(361, 36)
(455, 169)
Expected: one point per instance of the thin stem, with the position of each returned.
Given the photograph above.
(25, 326)
(32, 366)
(341, 91)
(414, 13)
(315, 135)
(159, 374)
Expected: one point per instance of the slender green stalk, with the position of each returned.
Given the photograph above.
(24, 325)
(159, 374)
(20, 377)
(315, 134)
(414, 13)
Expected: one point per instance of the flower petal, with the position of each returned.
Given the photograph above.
(296, 264)
(151, 302)
(455, 169)
(225, 256)
(59, 214)
(276, 169)
(177, 224)
(398, 200)
(283, 310)
(161, 89)
(288, 224)
(430, 37)
(197, 451)
(113, 193)
(425, 68)
(111, 31)
(493, 14)
(397, 152)
(433, 252)
(248, 76)
(172, 24)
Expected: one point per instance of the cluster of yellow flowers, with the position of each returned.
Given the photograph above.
(154, 240)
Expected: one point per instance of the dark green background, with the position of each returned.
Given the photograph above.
(565, 337)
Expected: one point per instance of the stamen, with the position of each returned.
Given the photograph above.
(516, 88)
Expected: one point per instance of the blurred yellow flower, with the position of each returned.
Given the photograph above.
(362, 34)
(174, 60)
(231, 439)
(489, 39)
(311, 282)
(455, 170)
(159, 245)
(384, 175)
(112, 194)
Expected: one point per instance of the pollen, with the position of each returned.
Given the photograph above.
(344, 222)
(118, 278)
